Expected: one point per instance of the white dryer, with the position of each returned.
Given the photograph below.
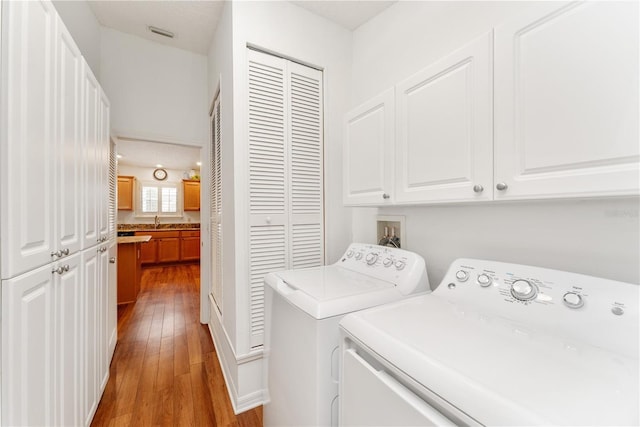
(496, 344)
(302, 341)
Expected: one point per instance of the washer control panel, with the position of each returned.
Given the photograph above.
(404, 268)
(557, 299)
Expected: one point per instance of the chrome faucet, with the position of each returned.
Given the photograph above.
(156, 221)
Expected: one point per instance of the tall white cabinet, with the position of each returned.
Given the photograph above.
(58, 327)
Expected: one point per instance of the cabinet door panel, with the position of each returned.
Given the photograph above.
(102, 166)
(169, 249)
(69, 148)
(125, 193)
(444, 131)
(92, 159)
(28, 137)
(567, 101)
(28, 349)
(70, 343)
(368, 152)
(91, 277)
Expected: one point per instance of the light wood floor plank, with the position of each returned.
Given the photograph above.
(165, 371)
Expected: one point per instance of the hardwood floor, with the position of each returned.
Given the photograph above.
(165, 370)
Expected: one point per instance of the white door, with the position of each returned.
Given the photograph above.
(28, 349)
(68, 153)
(368, 152)
(102, 314)
(91, 332)
(69, 341)
(92, 192)
(371, 397)
(27, 212)
(103, 144)
(566, 101)
(444, 143)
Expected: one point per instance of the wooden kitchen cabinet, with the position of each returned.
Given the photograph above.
(125, 192)
(169, 246)
(190, 245)
(191, 192)
(129, 271)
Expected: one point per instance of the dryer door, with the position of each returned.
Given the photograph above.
(372, 397)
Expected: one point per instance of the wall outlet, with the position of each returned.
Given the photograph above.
(391, 231)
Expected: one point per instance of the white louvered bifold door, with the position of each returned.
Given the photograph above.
(306, 243)
(267, 179)
(215, 191)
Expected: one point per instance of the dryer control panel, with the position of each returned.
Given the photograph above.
(576, 305)
(405, 269)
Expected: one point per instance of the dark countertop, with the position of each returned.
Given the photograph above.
(161, 227)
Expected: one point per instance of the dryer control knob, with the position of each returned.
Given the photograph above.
(484, 280)
(359, 255)
(523, 290)
(349, 254)
(573, 300)
(462, 275)
(400, 264)
(371, 258)
(387, 262)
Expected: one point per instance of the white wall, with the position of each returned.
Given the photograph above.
(156, 92)
(596, 237)
(146, 175)
(84, 28)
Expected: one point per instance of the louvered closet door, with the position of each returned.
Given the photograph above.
(305, 172)
(267, 179)
(216, 206)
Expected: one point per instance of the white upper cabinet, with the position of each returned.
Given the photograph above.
(27, 135)
(68, 141)
(368, 152)
(92, 172)
(566, 102)
(444, 129)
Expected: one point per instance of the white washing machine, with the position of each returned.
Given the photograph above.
(302, 341)
(496, 344)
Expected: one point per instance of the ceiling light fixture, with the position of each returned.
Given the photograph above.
(199, 163)
(119, 156)
(161, 32)
(158, 165)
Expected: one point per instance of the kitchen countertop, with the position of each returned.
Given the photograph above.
(133, 239)
(161, 227)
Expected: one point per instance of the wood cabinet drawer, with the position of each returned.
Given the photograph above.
(191, 233)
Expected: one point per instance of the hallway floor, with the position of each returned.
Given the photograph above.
(165, 370)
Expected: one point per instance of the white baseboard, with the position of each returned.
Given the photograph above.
(242, 372)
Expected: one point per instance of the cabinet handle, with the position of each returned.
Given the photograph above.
(478, 188)
(112, 260)
(58, 270)
(65, 267)
(501, 186)
(65, 251)
(385, 196)
(56, 254)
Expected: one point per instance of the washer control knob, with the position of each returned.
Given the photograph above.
(371, 258)
(484, 280)
(359, 255)
(523, 290)
(462, 275)
(618, 311)
(400, 264)
(573, 300)
(387, 262)
(349, 254)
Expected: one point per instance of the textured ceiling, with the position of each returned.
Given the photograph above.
(194, 22)
(149, 154)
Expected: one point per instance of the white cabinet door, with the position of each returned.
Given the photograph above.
(102, 148)
(102, 314)
(368, 152)
(68, 154)
(112, 304)
(69, 341)
(444, 143)
(566, 101)
(27, 136)
(28, 344)
(92, 158)
(91, 332)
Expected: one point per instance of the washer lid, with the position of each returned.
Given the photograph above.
(499, 372)
(331, 290)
